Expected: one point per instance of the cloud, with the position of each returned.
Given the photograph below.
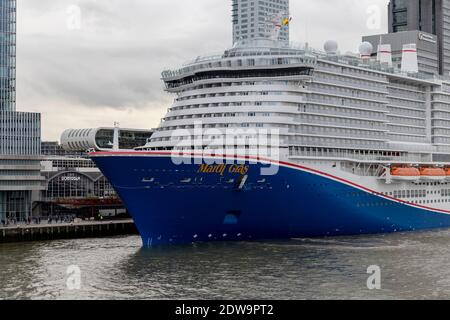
(105, 64)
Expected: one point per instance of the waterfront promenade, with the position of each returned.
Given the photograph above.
(73, 230)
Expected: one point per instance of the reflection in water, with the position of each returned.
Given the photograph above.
(414, 266)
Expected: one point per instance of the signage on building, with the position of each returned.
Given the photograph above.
(70, 178)
(427, 37)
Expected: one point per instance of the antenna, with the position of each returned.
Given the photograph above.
(307, 29)
(116, 136)
(379, 47)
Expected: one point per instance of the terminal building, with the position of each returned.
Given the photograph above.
(73, 184)
(102, 139)
(54, 148)
(20, 133)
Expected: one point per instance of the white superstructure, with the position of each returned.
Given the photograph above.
(317, 100)
(351, 116)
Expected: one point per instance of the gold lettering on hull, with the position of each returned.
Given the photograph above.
(222, 168)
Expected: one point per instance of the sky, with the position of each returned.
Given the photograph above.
(90, 63)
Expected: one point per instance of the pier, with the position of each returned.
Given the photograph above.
(75, 230)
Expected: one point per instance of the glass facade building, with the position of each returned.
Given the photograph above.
(74, 178)
(20, 132)
(408, 15)
(250, 17)
(7, 55)
(430, 16)
(74, 186)
(53, 148)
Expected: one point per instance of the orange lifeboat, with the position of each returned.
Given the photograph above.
(447, 173)
(429, 173)
(405, 173)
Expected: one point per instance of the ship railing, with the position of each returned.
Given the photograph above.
(305, 51)
(372, 127)
(419, 105)
(412, 96)
(354, 156)
(300, 60)
(375, 65)
(382, 136)
(356, 86)
(206, 58)
(357, 95)
(441, 99)
(347, 104)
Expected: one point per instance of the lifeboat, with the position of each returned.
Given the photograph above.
(405, 173)
(432, 174)
(447, 173)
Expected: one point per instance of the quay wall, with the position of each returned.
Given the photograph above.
(91, 229)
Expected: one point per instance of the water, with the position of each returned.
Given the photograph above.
(414, 266)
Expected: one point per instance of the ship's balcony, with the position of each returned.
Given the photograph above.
(336, 154)
(356, 134)
(208, 102)
(257, 61)
(196, 112)
(291, 72)
(375, 98)
(283, 120)
(374, 126)
(233, 89)
(347, 110)
(408, 97)
(353, 85)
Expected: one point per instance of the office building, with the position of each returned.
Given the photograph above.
(426, 44)
(76, 187)
(20, 132)
(430, 16)
(8, 55)
(250, 18)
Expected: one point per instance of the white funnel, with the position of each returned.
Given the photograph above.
(409, 58)
(384, 55)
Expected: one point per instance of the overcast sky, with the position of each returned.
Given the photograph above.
(88, 63)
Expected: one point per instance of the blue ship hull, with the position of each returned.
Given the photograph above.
(183, 204)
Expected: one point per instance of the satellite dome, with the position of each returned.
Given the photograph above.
(331, 47)
(366, 49)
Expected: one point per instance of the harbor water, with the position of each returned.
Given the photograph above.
(412, 265)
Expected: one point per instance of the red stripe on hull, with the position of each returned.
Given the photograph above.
(282, 163)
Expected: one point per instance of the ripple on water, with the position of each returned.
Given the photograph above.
(414, 266)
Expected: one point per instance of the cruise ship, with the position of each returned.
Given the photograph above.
(274, 141)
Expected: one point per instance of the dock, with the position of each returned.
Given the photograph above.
(85, 229)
